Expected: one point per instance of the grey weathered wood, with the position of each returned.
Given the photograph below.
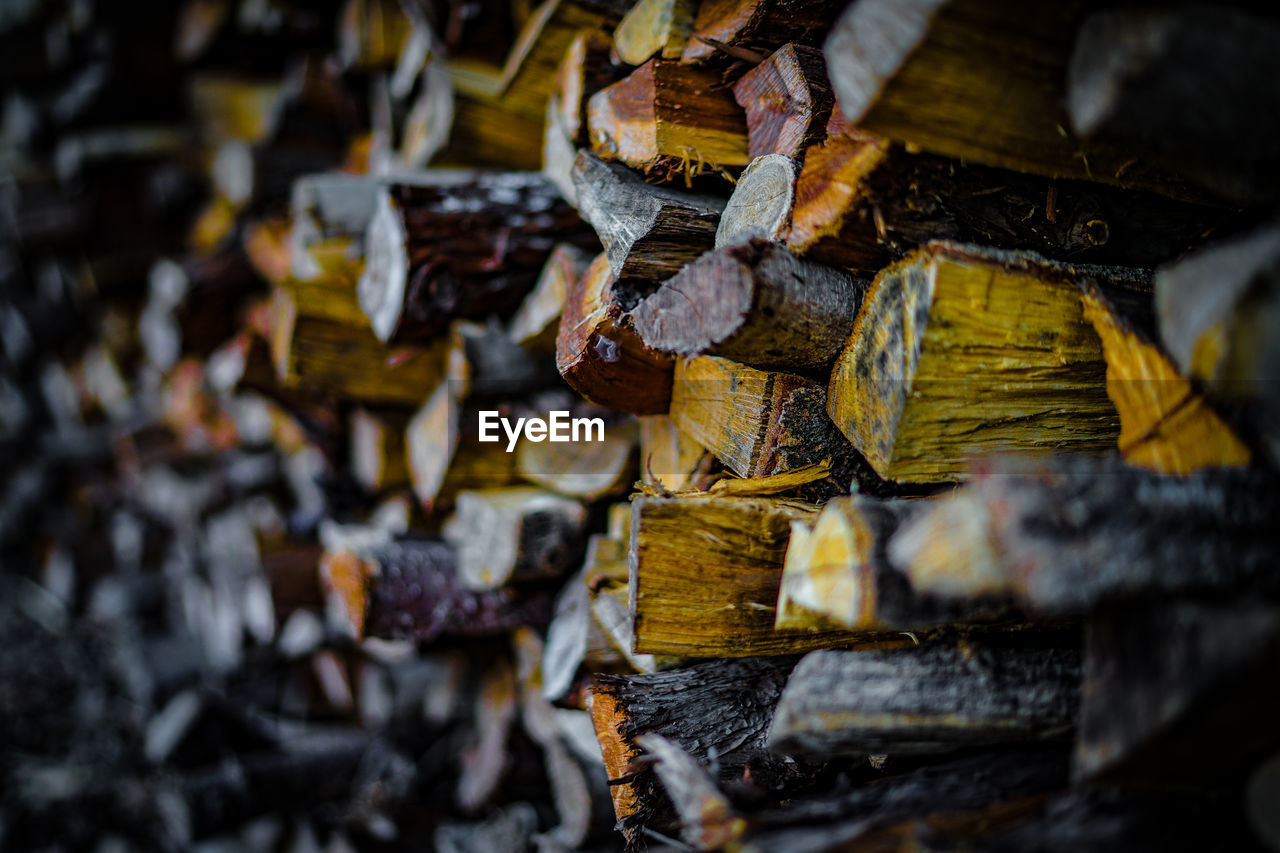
(648, 232)
(1189, 84)
(761, 202)
(926, 699)
(757, 304)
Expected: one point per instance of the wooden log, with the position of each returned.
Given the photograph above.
(605, 574)
(654, 28)
(920, 386)
(718, 711)
(585, 69)
(761, 423)
(838, 573)
(458, 245)
(755, 27)
(601, 357)
(755, 303)
(972, 793)
(318, 344)
(484, 131)
(927, 699)
(372, 34)
(588, 469)
(558, 153)
(1214, 310)
(669, 120)
(529, 75)
(513, 535)
(788, 101)
(978, 80)
(670, 459)
(445, 454)
(1133, 71)
(704, 576)
(761, 204)
(1163, 681)
(537, 321)
(1165, 424)
(377, 448)
(861, 201)
(410, 589)
(648, 232)
(1068, 534)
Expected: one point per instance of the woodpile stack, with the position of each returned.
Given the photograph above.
(739, 425)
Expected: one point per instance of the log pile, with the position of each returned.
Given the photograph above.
(726, 425)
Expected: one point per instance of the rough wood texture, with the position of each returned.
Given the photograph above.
(926, 699)
(959, 350)
(756, 26)
(716, 711)
(669, 458)
(514, 535)
(601, 357)
(1134, 71)
(648, 232)
(978, 80)
(669, 119)
(317, 344)
(755, 303)
(377, 452)
(1165, 423)
(458, 244)
(704, 576)
(1065, 534)
(537, 321)
(838, 573)
(1173, 690)
(787, 100)
(654, 27)
(410, 588)
(761, 202)
(1217, 309)
(861, 201)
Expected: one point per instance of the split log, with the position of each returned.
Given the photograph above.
(1133, 71)
(529, 75)
(704, 576)
(761, 423)
(978, 80)
(377, 448)
(756, 27)
(670, 459)
(1216, 309)
(483, 131)
(718, 711)
(536, 322)
(669, 120)
(590, 469)
(788, 101)
(838, 573)
(601, 356)
(411, 589)
(959, 350)
(445, 454)
(761, 204)
(926, 699)
(514, 535)
(1165, 424)
(585, 69)
(605, 574)
(1066, 534)
(318, 344)
(861, 201)
(1173, 691)
(654, 28)
(648, 232)
(458, 245)
(497, 368)
(755, 303)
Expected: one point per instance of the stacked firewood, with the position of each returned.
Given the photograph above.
(737, 424)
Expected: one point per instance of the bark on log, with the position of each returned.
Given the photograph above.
(926, 699)
(756, 27)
